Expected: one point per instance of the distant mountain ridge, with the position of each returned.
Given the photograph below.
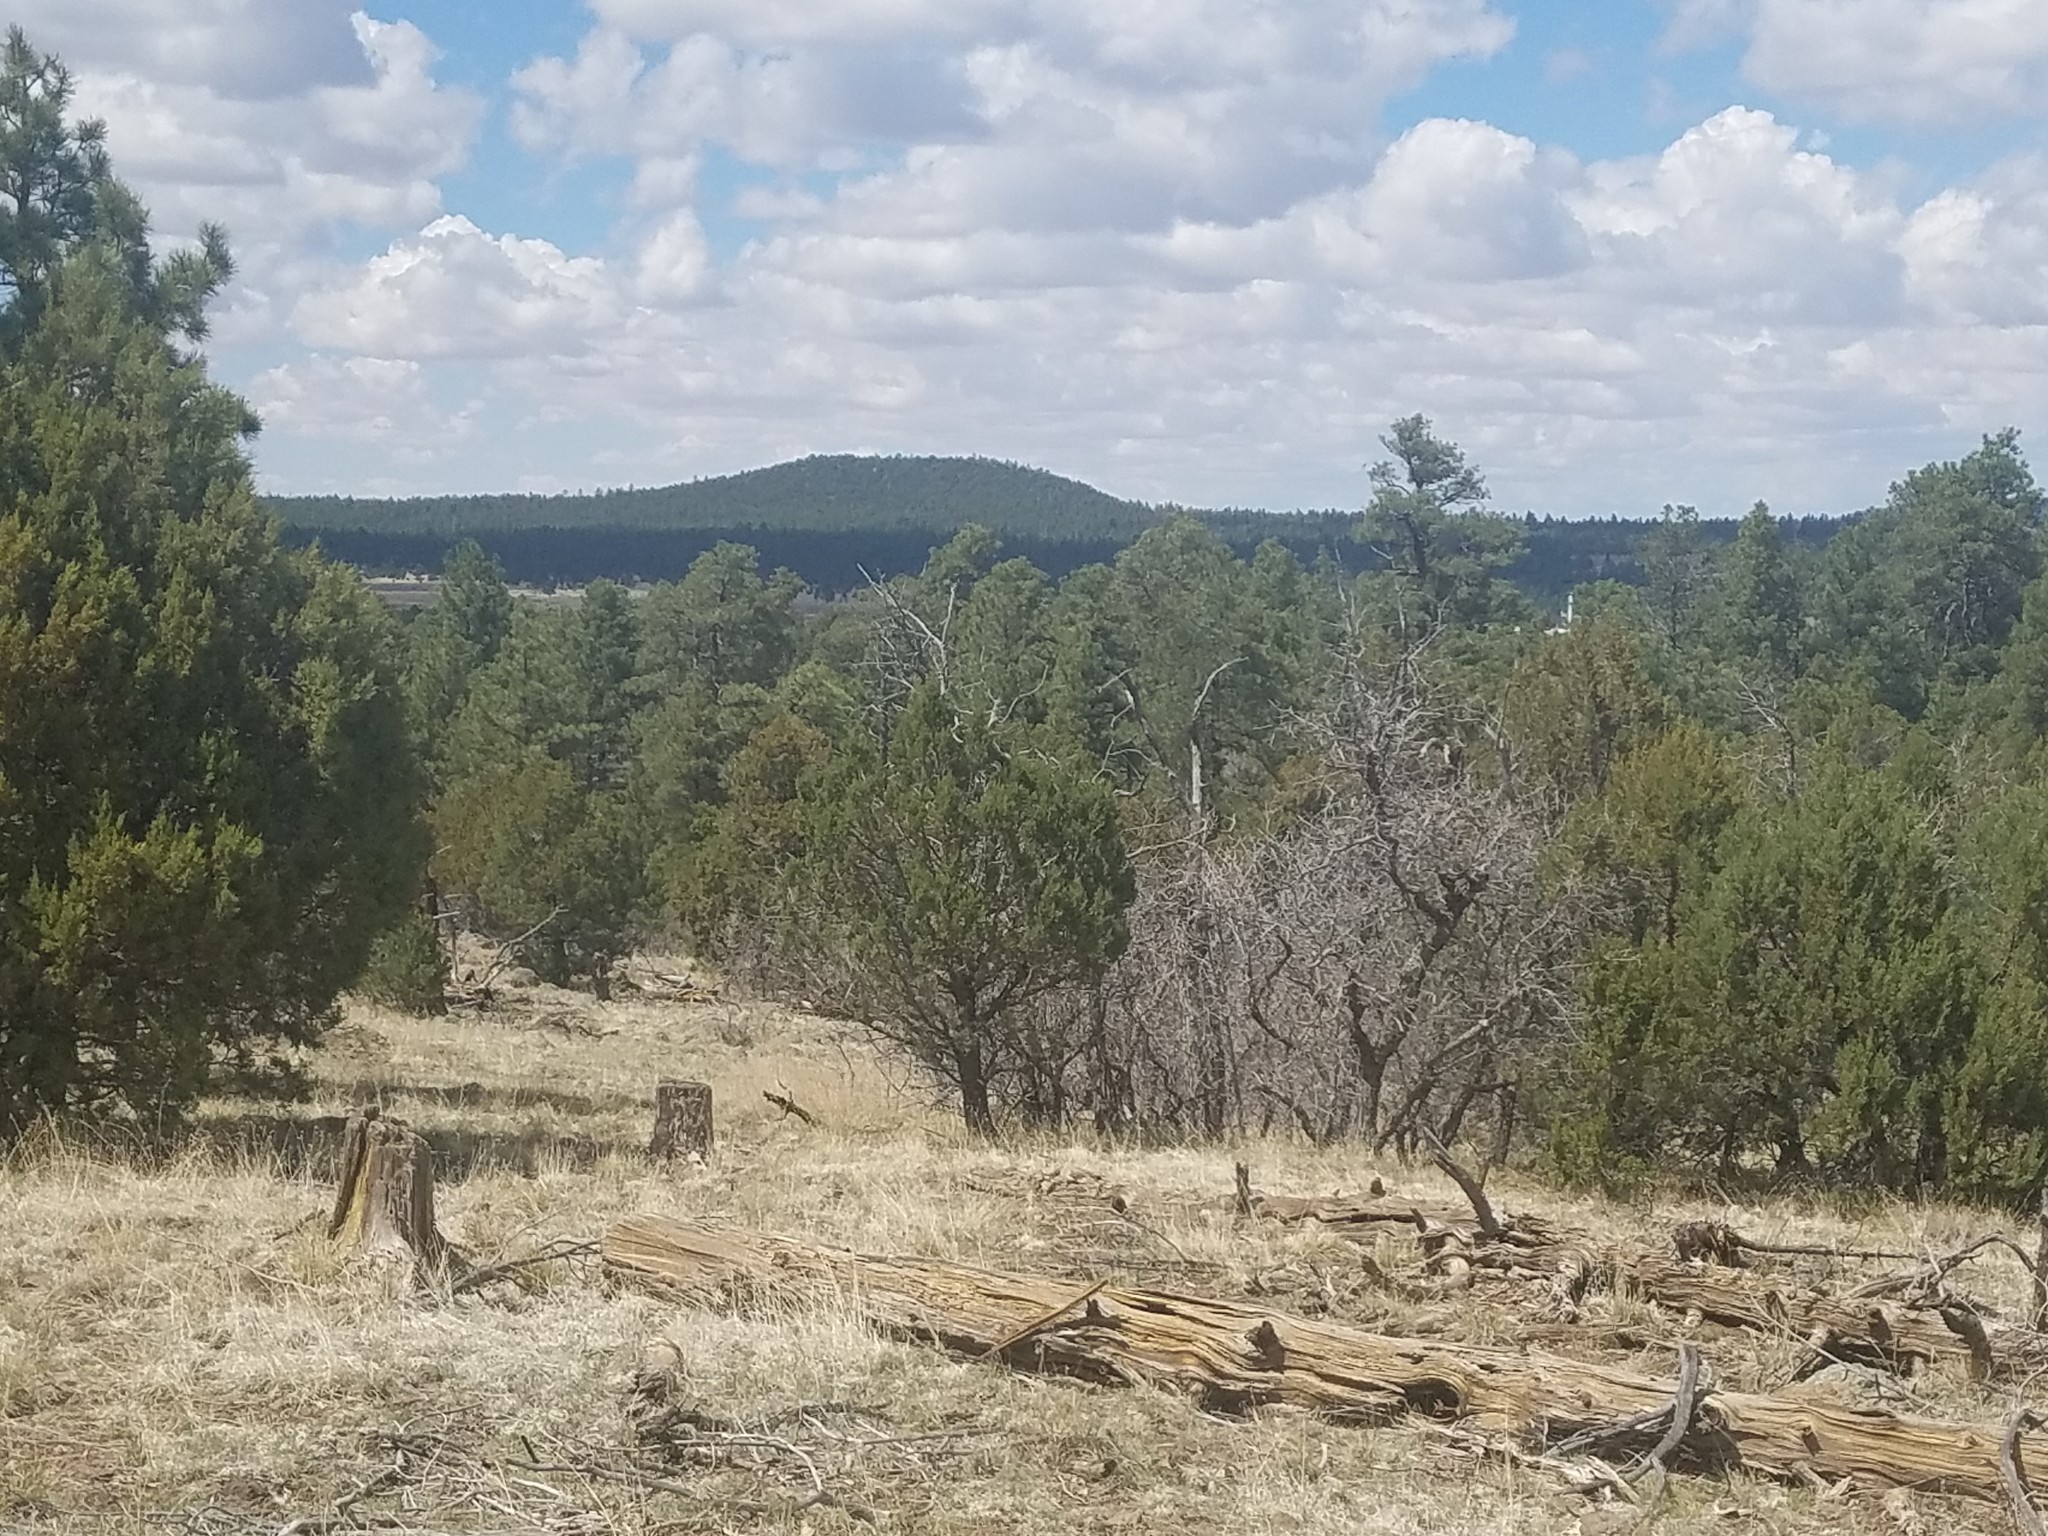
(825, 492)
(838, 519)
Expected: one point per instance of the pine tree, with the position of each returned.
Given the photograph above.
(206, 779)
(952, 882)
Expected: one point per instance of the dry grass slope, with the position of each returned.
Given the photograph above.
(181, 1349)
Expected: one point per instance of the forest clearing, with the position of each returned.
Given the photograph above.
(183, 1347)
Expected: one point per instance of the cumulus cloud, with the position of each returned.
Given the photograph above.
(1169, 245)
(239, 49)
(1009, 110)
(455, 291)
(283, 171)
(1709, 323)
(1912, 61)
(385, 401)
(1979, 252)
(295, 123)
(1736, 218)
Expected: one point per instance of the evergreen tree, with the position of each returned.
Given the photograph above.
(953, 882)
(1757, 610)
(457, 637)
(206, 779)
(1427, 518)
(721, 624)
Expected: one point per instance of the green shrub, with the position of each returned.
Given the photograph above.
(407, 969)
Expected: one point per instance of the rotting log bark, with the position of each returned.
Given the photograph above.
(384, 1204)
(1232, 1356)
(682, 1120)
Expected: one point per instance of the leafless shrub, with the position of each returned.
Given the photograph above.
(1382, 967)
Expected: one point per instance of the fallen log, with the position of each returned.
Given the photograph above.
(1897, 1335)
(1233, 1357)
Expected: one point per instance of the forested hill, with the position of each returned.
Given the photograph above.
(824, 493)
(836, 519)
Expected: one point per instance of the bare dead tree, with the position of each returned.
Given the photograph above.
(1382, 967)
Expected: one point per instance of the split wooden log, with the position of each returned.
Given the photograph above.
(384, 1204)
(1233, 1357)
(682, 1120)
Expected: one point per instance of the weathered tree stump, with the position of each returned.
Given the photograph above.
(384, 1204)
(682, 1120)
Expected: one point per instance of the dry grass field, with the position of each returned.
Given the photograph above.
(182, 1349)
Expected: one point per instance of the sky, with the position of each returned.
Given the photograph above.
(1625, 252)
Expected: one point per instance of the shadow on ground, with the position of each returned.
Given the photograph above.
(309, 1146)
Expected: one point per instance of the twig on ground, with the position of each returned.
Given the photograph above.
(490, 1274)
(994, 1351)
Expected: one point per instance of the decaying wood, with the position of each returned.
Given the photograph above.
(1233, 1356)
(1720, 1243)
(384, 1203)
(1896, 1334)
(682, 1120)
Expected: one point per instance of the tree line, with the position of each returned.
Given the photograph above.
(1740, 869)
(836, 520)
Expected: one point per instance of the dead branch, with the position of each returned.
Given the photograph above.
(509, 951)
(1051, 1317)
(2014, 1478)
(1722, 1244)
(789, 1106)
(1681, 1416)
(2040, 1318)
(1482, 1209)
(490, 1274)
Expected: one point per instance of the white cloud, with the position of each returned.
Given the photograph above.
(292, 122)
(238, 49)
(1735, 316)
(1980, 252)
(1008, 110)
(455, 291)
(281, 172)
(1910, 61)
(384, 401)
(1165, 244)
(1736, 218)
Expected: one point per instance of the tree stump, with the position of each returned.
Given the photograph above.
(682, 1120)
(384, 1204)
